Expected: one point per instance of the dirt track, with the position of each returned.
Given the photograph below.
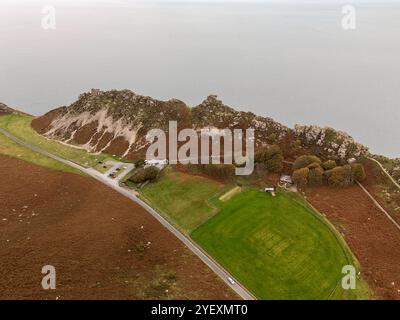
(94, 238)
(371, 235)
(378, 185)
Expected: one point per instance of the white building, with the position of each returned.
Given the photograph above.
(351, 161)
(160, 164)
(285, 179)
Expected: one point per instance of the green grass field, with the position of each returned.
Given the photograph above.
(10, 148)
(185, 200)
(20, 126)
(277, 247)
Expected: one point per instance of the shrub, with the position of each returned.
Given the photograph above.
(358, 172)
(296, 143)
(222, 171)
(151, 173)
(272, 138)
(142, 175)
(327, 175)
(340, 176)
(347, 175)
(335, 178)
(272, 158)
(314, 165)
(138, 176)
(300, 177)
(304, 161)
(315, 176)
(329, 164)
(259, 157)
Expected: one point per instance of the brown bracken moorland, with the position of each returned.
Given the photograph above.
(102, 245)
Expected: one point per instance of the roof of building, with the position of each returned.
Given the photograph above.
(156, 161)
(286, 178)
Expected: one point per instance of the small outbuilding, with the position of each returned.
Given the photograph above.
(286, 180)
(351, 160)
(156, 163)
(270, 190)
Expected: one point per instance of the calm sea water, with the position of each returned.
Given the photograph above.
(291, 61)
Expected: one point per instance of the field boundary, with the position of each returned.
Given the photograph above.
(351, 258)
(229, 194)
(385, 172)
(376, 203)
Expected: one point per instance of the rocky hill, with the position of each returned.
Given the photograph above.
(117, 122)
(329, 143)
(4, 109)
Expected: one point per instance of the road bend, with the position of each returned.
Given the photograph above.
(209, 261)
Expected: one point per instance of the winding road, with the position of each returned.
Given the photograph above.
(210, 262)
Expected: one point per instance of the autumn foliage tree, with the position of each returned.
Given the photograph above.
(340, 176)
(358, 172)
(300, 177)
(143, 174)
(326, 172)
(329, 164)
(315, 176)
(272, 158)
(305, 161)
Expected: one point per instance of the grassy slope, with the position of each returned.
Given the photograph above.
(19, 125)
(10, 148)
(277, 247)
(183, 199)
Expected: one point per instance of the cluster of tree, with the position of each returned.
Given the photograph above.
(145, 174)
(311, 171)
(221, 171)
(271, 158)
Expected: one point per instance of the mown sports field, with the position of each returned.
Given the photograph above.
(278, 247)
(185, 200)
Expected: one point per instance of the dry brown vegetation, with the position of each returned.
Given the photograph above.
(372, 237)
(102, 245)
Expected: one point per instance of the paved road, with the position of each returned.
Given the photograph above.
(210, 262)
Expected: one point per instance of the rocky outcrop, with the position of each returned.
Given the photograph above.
(113, 121)
(329, 143)
(4, 109)
(117, 122)
(212, 112)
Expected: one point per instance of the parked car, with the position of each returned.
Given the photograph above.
(231, 281)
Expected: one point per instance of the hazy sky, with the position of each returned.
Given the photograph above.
(291, 61)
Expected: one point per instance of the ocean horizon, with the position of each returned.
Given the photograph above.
(291, 61)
